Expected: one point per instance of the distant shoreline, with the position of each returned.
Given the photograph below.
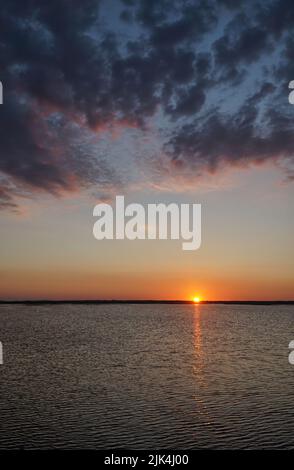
(143, 302)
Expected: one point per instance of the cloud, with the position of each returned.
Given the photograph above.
(247, 47)
(237, 140)
(194, 21)
(73, 71)
(6, 199)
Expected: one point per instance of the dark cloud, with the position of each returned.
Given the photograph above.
(195, 20)
(7, 200)
(276, 16)
(232, 4)
(71, 69)
(284, 68)
(235, 140)
(150, 13)
(266, 89)
(247, 47)
(23, 146)
(189, 102)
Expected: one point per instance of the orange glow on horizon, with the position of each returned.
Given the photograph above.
(82, 283)
(196, 300)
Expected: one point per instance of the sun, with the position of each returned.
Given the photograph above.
(196, 300)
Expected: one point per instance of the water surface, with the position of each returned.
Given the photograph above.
(146, 376)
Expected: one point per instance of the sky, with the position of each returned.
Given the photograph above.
(159, 101)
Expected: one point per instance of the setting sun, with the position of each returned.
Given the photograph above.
(196, 300)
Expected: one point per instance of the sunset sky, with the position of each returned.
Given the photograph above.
(160, 101)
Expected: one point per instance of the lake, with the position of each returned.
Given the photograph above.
(146, 376)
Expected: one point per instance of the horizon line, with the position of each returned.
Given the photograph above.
(146, 301)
